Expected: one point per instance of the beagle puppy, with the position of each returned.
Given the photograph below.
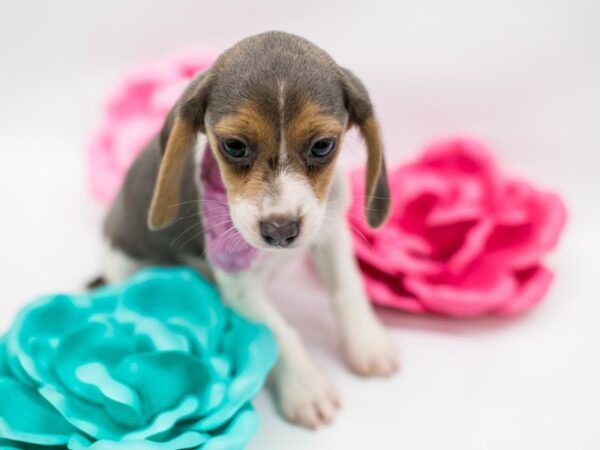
(241, 178)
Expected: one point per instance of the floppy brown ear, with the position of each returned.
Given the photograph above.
(377, 192)
(177, 136)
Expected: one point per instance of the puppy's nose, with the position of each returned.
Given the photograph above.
(279, 232)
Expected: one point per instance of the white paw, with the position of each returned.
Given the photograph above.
(370, 351)
(305, 396)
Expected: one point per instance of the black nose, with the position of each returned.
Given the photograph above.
(279, 232)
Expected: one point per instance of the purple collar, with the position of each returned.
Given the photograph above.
(224, 246)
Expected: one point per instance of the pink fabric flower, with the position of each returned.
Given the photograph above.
(135, 112)
(463, 239)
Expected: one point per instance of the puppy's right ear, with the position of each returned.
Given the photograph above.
(177, 136)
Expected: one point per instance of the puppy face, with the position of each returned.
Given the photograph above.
(277, 159)
(274, 108)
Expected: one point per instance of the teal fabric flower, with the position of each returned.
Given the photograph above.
(156, 363)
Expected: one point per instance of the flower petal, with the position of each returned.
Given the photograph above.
(85, 364)
(27, 417)
(533, 285)
(237, 433)
(38, 328)
(175, 375)
(186, 440)
(480, 291)
(4, 369)
(13, 445)
(251, 365)
(233, 435)
(472, 247)
(523, 245)
(193, 303)
(166, 420)
(462, 159)
(389, 290)
(85, 416)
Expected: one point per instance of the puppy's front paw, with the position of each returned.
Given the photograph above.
(370, 351)
(305, 395)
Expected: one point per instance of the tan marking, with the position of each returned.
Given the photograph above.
(165, 200)
(249, 184)
(250, 124)
(309, 123)
(321, 182)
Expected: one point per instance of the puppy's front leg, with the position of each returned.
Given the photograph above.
(303, 393)
(367, 346)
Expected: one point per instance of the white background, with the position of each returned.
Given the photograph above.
(524, 76)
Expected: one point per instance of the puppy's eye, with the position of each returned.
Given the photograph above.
(235, 148)
(322, 148)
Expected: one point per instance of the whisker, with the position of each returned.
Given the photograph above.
(200, 200)
(203, 231)
(226, 235)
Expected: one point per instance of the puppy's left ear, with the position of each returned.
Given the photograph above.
(176, 138)
(358, 104)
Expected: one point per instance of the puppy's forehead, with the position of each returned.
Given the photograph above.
(278, 74)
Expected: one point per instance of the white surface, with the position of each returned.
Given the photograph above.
(522, 75)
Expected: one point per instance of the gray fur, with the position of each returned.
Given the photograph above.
(252, 69)
(126, 224)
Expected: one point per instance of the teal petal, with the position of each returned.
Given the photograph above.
(38, 328)
(85, 416)
(251, 365)
(192, 302)
(165, 421)
(120, 401)
(85, 361)
(159, 336)
(6, 444)
(236, 434)
(187, 440)
(222, 365)
(4, 369)
(27, 417)
(175, 375)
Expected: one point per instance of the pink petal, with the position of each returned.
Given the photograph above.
(453, 212)
(389, 291)
(462, 158)
(472, 248)
(524, 245)
(447, 240)
(480, 292)
(533, 286)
